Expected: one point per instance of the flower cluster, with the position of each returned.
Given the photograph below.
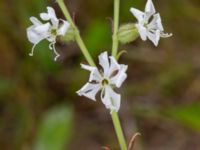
(50, 30)
(112, 74)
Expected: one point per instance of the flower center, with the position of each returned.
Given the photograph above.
(104, 82)
(145, 25)
(53, 31)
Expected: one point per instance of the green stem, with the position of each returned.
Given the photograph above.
(114, 114)
(88, 57)
(77, 33)
(116, 27)
(118, 130)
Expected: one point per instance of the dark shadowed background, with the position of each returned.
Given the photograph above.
(40, 110)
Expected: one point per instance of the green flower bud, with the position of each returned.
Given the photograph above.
(127, 33)
(69, 35)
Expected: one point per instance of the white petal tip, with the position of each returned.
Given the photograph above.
(156, 44)
(132, 9)
(30, 54)
(78, 92)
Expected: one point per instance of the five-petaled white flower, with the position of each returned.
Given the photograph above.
(49, 31)
(149, 23)
(112, 75)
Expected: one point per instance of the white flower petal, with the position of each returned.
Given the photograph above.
(89, 90)
(153, 25)
(33, 36)
(35, 21)
(63, 28)
(44, 16)
(138, 14)
(87, 67)
(114, 66)
(120, 77)
(43, 29)
(142, 31)
(52, 15)
(158, 22)
(111, 99)
(94, 75)
(150, 7)
(154, 37)
(51, 12)
(105, 97)
(104, 62)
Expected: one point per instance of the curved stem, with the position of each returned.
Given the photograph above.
(118, 130)
(77, 34)
(116, 27)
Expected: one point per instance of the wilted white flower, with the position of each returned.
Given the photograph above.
(50, 31)
(112, 75)
(149, 23)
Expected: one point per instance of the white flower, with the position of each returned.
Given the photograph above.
(112, 75)
(149, 23)
(49, 31)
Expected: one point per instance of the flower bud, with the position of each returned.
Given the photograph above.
(127, 33)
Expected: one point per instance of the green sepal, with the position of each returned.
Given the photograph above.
(69, 35)
(127, 33)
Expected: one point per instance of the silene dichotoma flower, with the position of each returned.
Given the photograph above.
(111, 76)
(50, 30)
(149, 23)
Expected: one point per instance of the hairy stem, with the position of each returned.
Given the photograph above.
(115, 28)
(77, 33)
(118, 130)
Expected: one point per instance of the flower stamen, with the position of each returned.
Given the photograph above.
(32, 50)
(52, 47)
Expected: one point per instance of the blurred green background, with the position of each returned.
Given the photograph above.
(39, 109)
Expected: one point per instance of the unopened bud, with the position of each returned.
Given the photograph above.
(127, 33)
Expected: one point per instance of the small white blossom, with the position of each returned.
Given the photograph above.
(149, 23)
(112, 75)
(50, 31)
